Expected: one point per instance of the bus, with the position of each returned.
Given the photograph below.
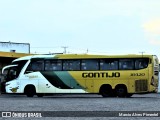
(107, 75)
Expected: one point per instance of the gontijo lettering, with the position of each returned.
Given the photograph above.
(32, 76)
(100, 74)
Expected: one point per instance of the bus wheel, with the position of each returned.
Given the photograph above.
(30, 91)
(121, 91)
(106, 91)
(40, 94)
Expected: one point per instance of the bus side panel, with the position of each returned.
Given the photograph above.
(59, 82)
(85, 83)
(67, 78)
(138, 81)
(50, 82)
(29, 79)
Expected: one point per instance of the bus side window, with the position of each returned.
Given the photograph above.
(59, 65)
(35, 66)
(141, 63)
(83, 66)
(126, 64)
(71, 65)
(103, 65)
(90, 65)
(38, 66)
(53, 65)
(109, 64)
(47, 65)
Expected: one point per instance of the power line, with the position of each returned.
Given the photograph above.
(65, 51)
(45, 47)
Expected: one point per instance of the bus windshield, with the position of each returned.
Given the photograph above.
(12, 71)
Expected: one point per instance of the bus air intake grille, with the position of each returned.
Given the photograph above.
(141, 85)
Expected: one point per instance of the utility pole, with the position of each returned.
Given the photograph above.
(87, 51)
(65, 49)
(142, 53)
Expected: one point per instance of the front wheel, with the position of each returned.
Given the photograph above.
(30, 91)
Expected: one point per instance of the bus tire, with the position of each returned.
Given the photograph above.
(106, 90)
(30, 91)
(121, 91)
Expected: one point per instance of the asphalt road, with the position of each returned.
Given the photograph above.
(81, 107)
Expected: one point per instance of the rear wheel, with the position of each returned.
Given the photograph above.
(30, 91)
(121, 91)
(106, 91)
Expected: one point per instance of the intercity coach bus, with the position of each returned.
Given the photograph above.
(114, 75)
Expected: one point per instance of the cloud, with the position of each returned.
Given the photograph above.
(152, 31)
(154, 42)
(153, 26)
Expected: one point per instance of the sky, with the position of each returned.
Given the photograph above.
(83, 26)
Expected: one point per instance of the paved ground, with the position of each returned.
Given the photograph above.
(92, 106)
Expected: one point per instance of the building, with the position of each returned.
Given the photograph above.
(15, 47)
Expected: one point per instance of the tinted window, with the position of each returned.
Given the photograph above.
(20, 65)
(108, 64)
(71, 65)
(13, 73)
(36, 66)
(90, 65)
(54, 65)
(141, 63)
(126, 64)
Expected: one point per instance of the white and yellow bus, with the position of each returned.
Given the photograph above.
(116, 75)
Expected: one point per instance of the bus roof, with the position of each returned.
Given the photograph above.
(13, 54)
(33, 56)
(76, 56)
